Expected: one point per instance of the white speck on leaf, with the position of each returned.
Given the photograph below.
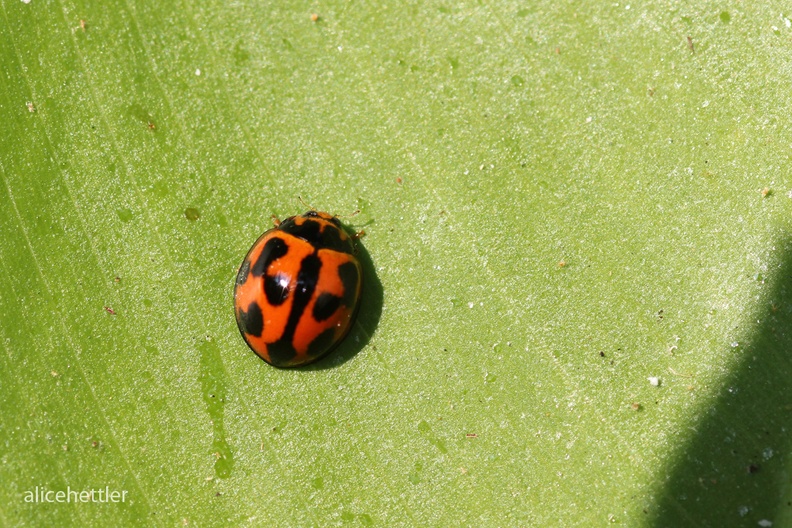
(654, 381)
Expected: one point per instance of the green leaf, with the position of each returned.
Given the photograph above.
(577, 258)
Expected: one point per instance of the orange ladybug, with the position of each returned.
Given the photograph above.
(298, 290)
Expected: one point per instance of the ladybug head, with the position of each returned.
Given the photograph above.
(324, 216)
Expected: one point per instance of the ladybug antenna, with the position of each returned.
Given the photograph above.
(348, 216)
(305, 204)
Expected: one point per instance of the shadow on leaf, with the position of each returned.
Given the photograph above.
(734, 470)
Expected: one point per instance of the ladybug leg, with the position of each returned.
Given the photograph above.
(358, 236)
(276, 221)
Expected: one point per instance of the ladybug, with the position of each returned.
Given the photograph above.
(298, 290)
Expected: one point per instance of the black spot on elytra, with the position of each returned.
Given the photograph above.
(306, 285)
(251, 321)
(281, 352)
(311, 231)
(274, 249)
(331, 239)
(325, 306)
(308, 230)
(276, 288)
(322, 343)
(350, 278)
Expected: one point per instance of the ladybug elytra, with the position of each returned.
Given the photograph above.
(298, 289)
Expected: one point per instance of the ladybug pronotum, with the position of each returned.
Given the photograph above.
(298, 290)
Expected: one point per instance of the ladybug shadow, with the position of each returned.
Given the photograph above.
(366, 321)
